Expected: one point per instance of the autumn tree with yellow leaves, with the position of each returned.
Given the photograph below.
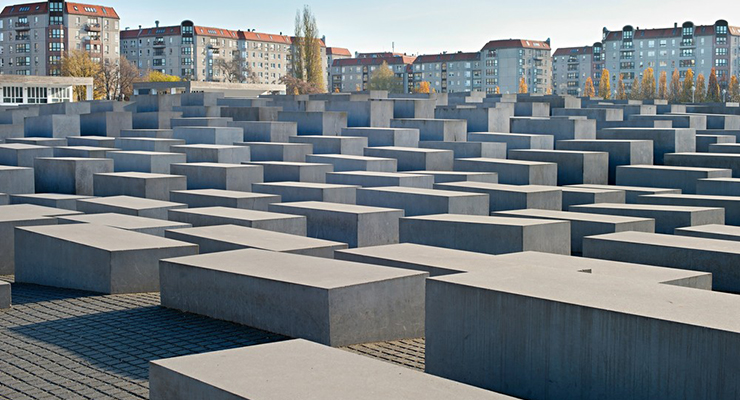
(648, 84)
(701, 87)
(523, 88)
(383, 78)
(604, 85)
(687, 93)
(635, 90)
(621, 91)
(588, 88)
(733, 91)
(713, 95)
(422, 87)
(663, 86)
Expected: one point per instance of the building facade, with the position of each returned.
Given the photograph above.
(498, 66)
(630, 51)
(571, 66)
(193, 52)
(34, 36)
(334, 53)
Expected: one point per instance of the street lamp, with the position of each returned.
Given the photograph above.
(693, 93)
(615, 94)
(579, 92)
(724, 95)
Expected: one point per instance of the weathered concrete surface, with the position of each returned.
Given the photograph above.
(667, 218)
(150, 226)
(223, 198)
(271, 221)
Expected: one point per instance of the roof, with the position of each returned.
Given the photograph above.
(431, 58)
(338, 51)
(206, 31)
(20, 9)
(567, 51)
(379, 54)
(699, 30)
(516, 43)
(91, 10)
(151, 32)
(373, 61)
(216, 32)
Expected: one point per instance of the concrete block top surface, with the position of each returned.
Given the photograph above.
(299, 369)
(51, 196)
(482, 219)
(644, 207)
(336, 207)
(234, 213)
(703, 308)
(233, 194)
(130, 202)
(411, 149)
(308, 185)
(143, 153)
(213, 165)
(105, 237)
(674, 168)
(626, 188)
(349, 157)
(16, 212)
(675, 241)
(421, 191)
(256, 238)
(138, 175)
(571, 216)
(499, 187)
(11, 168)
(22, 146)
(289, 163)
(505, 161)
(128, 222)
(571, 189)
(297, 269)
(569, 152)
(715, 229)
(379, 174)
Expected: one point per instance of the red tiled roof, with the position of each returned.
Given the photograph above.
(431, 58)
(33, 8)
(216, 32)
(338, 51)
(100, 11)
(342, 62)
(265, 37)
(380, 54)
(566, 51)
(516, 43)
(699, 30)
(151, 32)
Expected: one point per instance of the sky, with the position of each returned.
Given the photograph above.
(430, 26)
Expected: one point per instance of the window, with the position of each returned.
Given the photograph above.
(687, 52)
(55, 6)
(687, 63)
(722, 40)
(56, 33)
(688, 31)
(663, 43)
(23, 61)
(721, 51)
(721, 29)
(23, 48)
(687, 42)
(12, 94)
(720, 62)
(37, 95)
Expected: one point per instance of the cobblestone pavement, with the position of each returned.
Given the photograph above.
(59, 343)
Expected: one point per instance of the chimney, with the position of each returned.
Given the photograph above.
(675, 25)
(139, 27)
(156, 24)
(281, 34)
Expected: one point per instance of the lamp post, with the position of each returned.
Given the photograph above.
(693, 93)
(724, 95)
(615, 94)
(579, 92)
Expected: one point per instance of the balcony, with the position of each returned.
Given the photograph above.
(159, 43)
(93, 40)
(92, 27)
(22, 26)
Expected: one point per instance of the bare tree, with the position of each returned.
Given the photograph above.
(236, 70)
(116, 78)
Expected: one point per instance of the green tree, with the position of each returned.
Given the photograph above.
(383, 78)
(635, 91)
(734, 90)
(307, 59)
(674, 91)
(663, 86)
(588, 88)
(604, 85)
(648, 84)
(687, 93)
(621, 92)
(701, 88)
(713, 94)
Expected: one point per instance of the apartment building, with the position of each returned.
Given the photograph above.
(499, 64)
(334, 53)
(353, 74)
(571, 66)
(192, 52)
(700, 47)
(34, 36)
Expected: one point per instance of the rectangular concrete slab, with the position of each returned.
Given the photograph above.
(308, 191)
(632, 193)
(5, 295)
(667, 218)
(574, 167)
(460, 176)
(297, 369)
(415, 201)
(128, 205)
(298, 296)
(573, 196)
(669, 177)
(213, 239)
(132, 223)
(411, 159)
(511, 197)
(512, 172)
(279, 171)
(53, 200)
(223, 198)
(137, 184)
(271, 221)
(344, 163)
(731, 204)
(219, 176)
(93, 257)
(720, 232)
(376, 179)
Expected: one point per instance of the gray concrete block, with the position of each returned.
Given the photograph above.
(271, 221)
(621, 152)
(128, 205)
(105, 123)
(706, 160)
(347, 145)
(210, 122)
(329, 123)
(93, 257)
(414, 108)
(16, 180)
(490, 235)
(716, 144)
(279, 171)
(364, 113)
(213, 153)
(719, 186)
(514, 141)
(150, 226)
(307, 191)
(144, 161)
(219, 176)
(564, 128)
(69, 175)
(469, 149)
(674, 140)
(574, 167)
(5, 295)
(218, 238)
(669, 177)
(445, 130)
(667, 218)
(153, 133)
(92, 141)
(137, 184)
(513, 172)
(479, 119)
(584, 224)
(385, 136)
(53, 200)
(223, 198)
(460, 176)
(731, 204)
(39, 141)
(81, 151)
(160, 145)
(338, 374)
(415, 201)
(343, 163)
(266, 131)
(155, 119)
(208, 135)
(52, 126)
(412, 159)
(375, 179)
(288, 152)
(358, 226)
(511, 197)
(720, 232)
(573, 196)
(307, 297)
(693, 121)
(632, 193)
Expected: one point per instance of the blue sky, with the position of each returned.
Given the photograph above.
(431, 26)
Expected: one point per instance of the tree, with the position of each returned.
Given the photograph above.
(700, 89)
(307, 59)
(77, 63)
(674, 92)
(523, 86)
(156, 76)
(663, 86)
(588, 89)
(383, 78)
(621, 92)
(422, 87)
(648, 84)
(713, 95)
(604, 85)
(117, 79)
(236, 70)
(635, 91)
(734, 90)
(297, 86)
(687, 94)
(497, 90)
